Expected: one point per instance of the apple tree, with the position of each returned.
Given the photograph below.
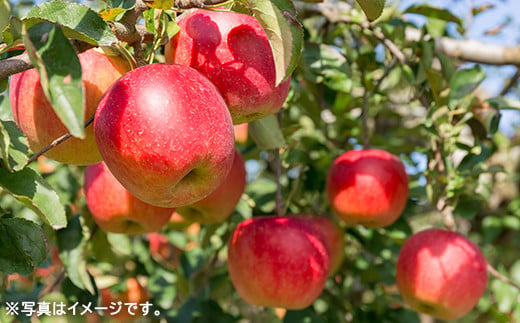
(343, 130)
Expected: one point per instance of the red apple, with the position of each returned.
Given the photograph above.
(333, 237)
(177, 222)
(278, 261)
(367, 187)
(441, 273)
(233, 51)
(135, 293)
(241, 133)
(114, 209)
(163, 251)
(165, 133)
(222, 201)
(35, 116)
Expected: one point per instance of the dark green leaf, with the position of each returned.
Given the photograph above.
(79, 21)
(22, 246)
(434, 12)
(13, 146)
(60, 73)
(303, 316)
(285, 33)
(266, 133)
(30, 188)
(372, 8)
(464, 82)
(72, 242)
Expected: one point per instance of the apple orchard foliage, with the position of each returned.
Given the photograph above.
(353, 84)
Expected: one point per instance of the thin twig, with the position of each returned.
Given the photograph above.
(54, 284)
(513, 81)
(364, 113)
(278, 172)
(503, 278)
(55, 143)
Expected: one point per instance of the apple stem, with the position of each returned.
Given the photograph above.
(278, 172)
(501, 277)
(55, 143)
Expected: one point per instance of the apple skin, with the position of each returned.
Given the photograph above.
(232, 50)
(134, 293)
(241, 133)
(441, 273)
(35, 116)
(221, 203)
(165, 133)
(334, 237)
(114, 209)
(278, 261)
(163, 251)
(367, 187)
(177, 222)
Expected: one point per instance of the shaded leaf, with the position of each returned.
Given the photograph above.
(22, 246)
(60, 73)
(284, 32)
(72, 243)
(28, 187)
(5, 12)
(372, 8)
(266, 133)
(434, 12)
(12, 34)
(464, 82)
(78, 21)
(13, 146)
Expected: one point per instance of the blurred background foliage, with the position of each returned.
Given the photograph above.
(356, 85)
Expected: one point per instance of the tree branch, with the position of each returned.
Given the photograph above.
(188, 4)
(495, 273)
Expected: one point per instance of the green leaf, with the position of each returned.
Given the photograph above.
(328, 66)
(13, 146)
(60, 73)
(22, 246)
(78, 21)
(434, 12)
(28, 187)
(464, 82)
(266, 133)
(5, 12)
(72, 243)
(372, 8)
(12, 34)
(306, 315)
(284, 32)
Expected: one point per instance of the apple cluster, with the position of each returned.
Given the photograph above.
(162, 152)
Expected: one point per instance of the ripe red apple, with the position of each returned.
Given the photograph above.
(163, 251)
(165, 133)
(333, 237)
(278, 261)
(232, 50)
(35, 116)
(241, 133)
(222, 201)
(367, 187)
(441, 273)
(134, 293)
(114, 209)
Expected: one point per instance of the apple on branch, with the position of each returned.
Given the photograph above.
(166, 134)
(221, 203)
(232, 50)
(35, 116)
(115, 210)
(367, 187)
(441, 273)
(278, 261)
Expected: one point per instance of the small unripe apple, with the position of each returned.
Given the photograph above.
(163, 251)
(367, 187)
(221, 203)
(441, 273)
(278, 261)
(165, 133)
(232, 50)
(35, 116)
(114, 209)
(177, 222)
(134, 293)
